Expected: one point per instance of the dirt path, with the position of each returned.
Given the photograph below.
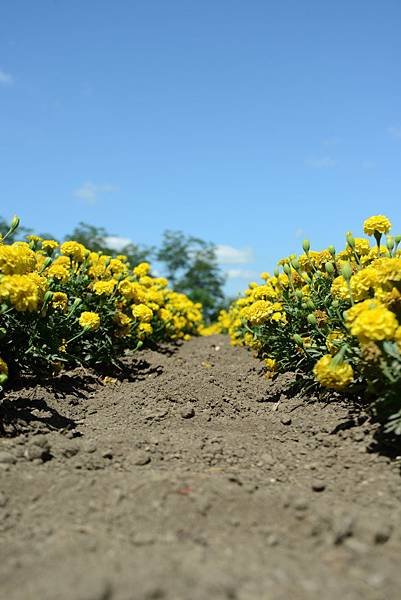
(198, 480)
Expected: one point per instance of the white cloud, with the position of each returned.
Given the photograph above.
(90, 191)
(6, 78)
(394, 132)
(117, 243)
(323, 162)
(241, 274)
(228, 255)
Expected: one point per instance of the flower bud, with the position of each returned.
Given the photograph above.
(276, 272)
(332, 251)
(329, 268)
(311, 319)
(397, 239)
(46, 264)
(306, 246)
(47, 297)
(299, 294)
(297, 339)
(310, 304)
(295, 264)
(74, 306)
(14, 224)
(287, 269)
(350, 240)
(346, 271)
(390, 242)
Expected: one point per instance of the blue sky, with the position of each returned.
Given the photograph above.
(252, 124)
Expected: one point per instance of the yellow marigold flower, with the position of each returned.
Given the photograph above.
(3, 371)
(104, 288)
(17, 259)
(375, 324)
(339, 288)
(144, 329)
(49, 245)
(59, 301)
(363, 283)
(270, 364)
(142, 312)
(334, 340)
(388, 271)
(24, 293)
(258, 313)
(142, 269)
(333, 375)
(377, 223)
(362, 246)
(89, 320)
(74, 250)
(117, 267)
(161, 282)
(146, 281)
(58, 271)
(33, 238)
(122, 319)
(165, 315)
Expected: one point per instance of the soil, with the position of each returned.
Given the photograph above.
(194, 478)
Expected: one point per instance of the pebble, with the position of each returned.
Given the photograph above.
(69, 450)
(90, 446)
(300, 504)
(41, 441)
(38, 449)
(286, 420)
(318, 486)
(108, 454)
(383, 534)
(141, 458)
(187, 412)
(6, 458)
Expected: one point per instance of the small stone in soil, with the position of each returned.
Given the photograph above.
(187, 412)
(286, 420)
(6, 458)
(141, 458)
(90, 446)
(107, 454)
(318, 486)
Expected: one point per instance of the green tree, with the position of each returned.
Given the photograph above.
(191, 266)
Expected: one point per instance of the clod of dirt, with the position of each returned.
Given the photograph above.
(6, 458)
(187, 412)
(286, 420)
(318, 486)
(141, 458)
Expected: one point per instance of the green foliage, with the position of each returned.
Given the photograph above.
(191, 265)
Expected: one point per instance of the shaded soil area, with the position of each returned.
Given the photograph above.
(194, 478)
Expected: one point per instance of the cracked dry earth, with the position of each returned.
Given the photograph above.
(194, 479)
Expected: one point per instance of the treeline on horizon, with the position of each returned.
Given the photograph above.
(189, 263)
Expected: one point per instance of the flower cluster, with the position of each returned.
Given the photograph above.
(331, 316)
(63, 305)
